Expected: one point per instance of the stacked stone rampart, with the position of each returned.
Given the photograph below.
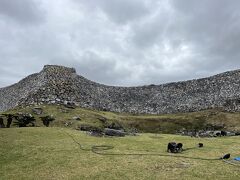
(61, 85)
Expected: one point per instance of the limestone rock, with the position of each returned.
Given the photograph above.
(37, 110)
(114, 132)
(77, 118)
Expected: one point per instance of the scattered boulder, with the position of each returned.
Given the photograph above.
(231, 133)
(77, 118)
(204, 133)
(114, 132)
(96, 133)
(70, 105)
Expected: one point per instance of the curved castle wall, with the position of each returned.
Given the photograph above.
(61, 85)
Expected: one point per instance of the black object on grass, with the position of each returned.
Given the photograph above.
(200, 145)
(226, 156)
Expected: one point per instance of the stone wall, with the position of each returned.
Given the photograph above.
(61, 85)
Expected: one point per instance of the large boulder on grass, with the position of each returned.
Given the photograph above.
(114, 132)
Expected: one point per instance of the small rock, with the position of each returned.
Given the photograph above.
(76, 118)
(70, 105)
(68, 123)
(37, 110)
(102, 119)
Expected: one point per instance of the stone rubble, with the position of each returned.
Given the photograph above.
(61, 85)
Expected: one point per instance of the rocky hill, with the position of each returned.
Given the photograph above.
(61, 85)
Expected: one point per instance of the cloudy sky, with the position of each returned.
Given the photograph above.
(120, 42)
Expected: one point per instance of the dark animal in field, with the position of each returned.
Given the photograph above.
(200, 145)
(175, 147)
(179, 147)
(171, 147)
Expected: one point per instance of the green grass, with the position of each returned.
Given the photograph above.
(49, 153)
(166, 123)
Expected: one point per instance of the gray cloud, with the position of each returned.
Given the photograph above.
(212, 27)
(24, 11)
(120, 42)
(120, 11)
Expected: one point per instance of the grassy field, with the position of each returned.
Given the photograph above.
(166, 123)
(51, 153)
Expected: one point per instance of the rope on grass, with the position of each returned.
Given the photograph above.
(101, 150)
(231, 162)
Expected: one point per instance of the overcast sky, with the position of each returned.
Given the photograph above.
(120, 42)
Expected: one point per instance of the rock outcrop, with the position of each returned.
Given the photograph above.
(61, 85)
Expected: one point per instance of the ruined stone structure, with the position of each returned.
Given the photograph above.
(61, 85)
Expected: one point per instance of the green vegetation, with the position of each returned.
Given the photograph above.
(46, 120)
(49, 153)
(24, 120)
(168, 123)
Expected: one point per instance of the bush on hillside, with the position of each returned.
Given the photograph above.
(46, 120)
(23, 120)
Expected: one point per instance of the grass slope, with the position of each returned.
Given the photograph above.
(168, 123)
(49, 153)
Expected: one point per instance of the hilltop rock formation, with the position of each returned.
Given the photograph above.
(61, 85)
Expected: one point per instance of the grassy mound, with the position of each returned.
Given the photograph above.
(168, 123)
(50, 153)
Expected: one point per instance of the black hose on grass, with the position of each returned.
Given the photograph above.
(100, 150)
(230, 162)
